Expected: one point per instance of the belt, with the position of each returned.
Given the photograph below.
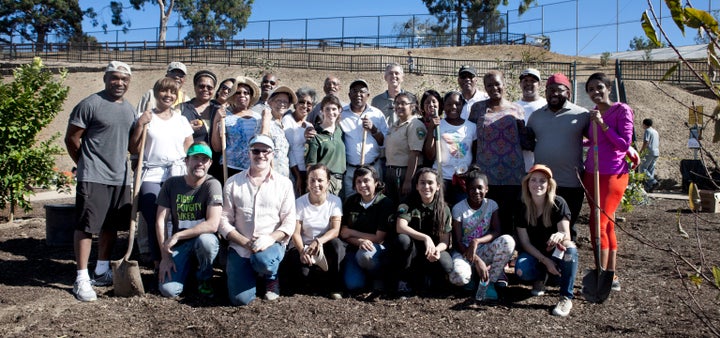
(359, 165)
(396, 167)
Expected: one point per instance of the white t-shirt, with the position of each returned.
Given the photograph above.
(530, 107)
(316, 218)
(165, 146)
(295, 134)
(456, 146)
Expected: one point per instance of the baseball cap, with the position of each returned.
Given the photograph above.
(359, 81)
(541, 168)
(286, 90)
(118, 66)
(559, 78)
(530, 71)
(467, 69)
(177, 65)
(199, 148)
(262, 139)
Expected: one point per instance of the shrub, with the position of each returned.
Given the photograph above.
(27, 105)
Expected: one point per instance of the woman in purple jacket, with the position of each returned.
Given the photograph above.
(613, 123)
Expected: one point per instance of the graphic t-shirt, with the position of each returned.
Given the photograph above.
(188, 205)
(474, 223)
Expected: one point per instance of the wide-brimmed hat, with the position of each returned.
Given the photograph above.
(242, 80)
(286, 90)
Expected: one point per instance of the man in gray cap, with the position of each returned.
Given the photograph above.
(355, 118)
(530, 101)
(176, 71)
(258, 218)
(467, 80)
(97, 140)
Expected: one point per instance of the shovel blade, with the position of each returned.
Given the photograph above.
(597, 286)
(127, 281)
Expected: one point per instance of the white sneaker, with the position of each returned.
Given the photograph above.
(563, 307)
(83, 291)
(271, 296)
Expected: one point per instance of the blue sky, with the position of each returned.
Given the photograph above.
(605, 25)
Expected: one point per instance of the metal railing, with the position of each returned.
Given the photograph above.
(656, 70)
(282, 54)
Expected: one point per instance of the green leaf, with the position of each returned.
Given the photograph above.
(695, 279)
(649, 29)
(716, 275)
(698, 18)
(677, 13)
(669, 72)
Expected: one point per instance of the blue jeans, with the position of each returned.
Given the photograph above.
(205, 247)
(528, 268)
(361, 264)
(647, 167)
(242, 272)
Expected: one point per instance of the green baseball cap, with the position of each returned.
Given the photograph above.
(199, 148)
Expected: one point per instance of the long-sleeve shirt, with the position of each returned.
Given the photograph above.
(613, 143)
(257, 210)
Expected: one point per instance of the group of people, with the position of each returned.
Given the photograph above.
(381, 196)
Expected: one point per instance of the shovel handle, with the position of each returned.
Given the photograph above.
(596, 196)
(136, 194)
(362, 147)
(223, 142)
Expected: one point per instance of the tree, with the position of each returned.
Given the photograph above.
(34, 20)
(640, 43)
(28, 104)
(208, 19)
(479, 12)
(426, 33)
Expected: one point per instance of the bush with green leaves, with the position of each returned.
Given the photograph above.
(28, 104)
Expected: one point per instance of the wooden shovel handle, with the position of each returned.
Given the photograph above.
(136, 194)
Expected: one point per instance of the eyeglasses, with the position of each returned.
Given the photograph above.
(467, 76)
(272, 83)
(176, 74)
(224, 88)
(256, 151)
(206, 87)
(307, 103)
(242, 92)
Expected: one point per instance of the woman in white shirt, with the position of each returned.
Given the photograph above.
(169, 135)
(315, 250)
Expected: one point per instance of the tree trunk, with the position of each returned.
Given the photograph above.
(11, 217)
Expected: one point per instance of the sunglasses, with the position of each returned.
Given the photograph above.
(303, 102)
(256, 151)
(272, 83)
(206, 87)
(224, 87)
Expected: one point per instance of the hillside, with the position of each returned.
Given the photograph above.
(645, 98)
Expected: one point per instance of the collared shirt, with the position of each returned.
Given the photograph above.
(402, 138)
(257, 210)
(477, 97)
(384, 103)
(351, 125)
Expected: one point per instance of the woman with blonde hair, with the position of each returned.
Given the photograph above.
(544, 235)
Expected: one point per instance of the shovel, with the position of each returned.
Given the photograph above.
(126, 273)
(223, 140)
(438, 151)
(597, 282)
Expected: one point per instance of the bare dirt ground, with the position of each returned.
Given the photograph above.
(657, 298)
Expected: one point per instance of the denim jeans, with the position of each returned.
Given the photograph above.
(361, 264)
(647, 167)
(242, 272)
(528, 268)
(205, 247)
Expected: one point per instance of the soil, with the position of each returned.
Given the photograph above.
(657, 298)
